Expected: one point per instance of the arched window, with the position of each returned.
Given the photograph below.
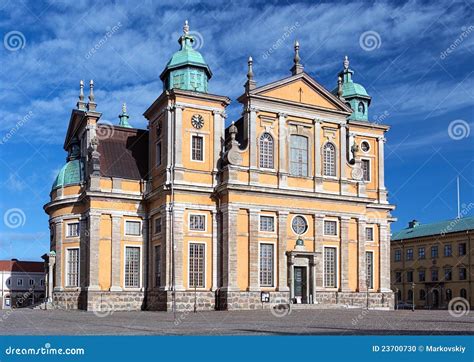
(266, 150)
(299, 155)
(361, 108)
(463, 293)
(329, 159)
(422, 294)
(449, 295)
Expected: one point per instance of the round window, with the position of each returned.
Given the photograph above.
(365, 146)
(299, 225)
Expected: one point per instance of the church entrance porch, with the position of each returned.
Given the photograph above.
(301, 270)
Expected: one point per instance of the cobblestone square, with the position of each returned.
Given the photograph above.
(258, 322)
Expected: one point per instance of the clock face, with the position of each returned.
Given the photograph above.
(197, 121)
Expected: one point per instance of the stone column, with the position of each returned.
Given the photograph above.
(312, 284)
(60, 262)
(167, 252)
(252, 117)
(319, 250)
(381, 171)
(116, 252)
(229, 246)
(94, 238)
(318, 180)
(178, 135)
(84, 252)
(254, 283)
(283, 139)
(291, 262)
(344, 267)
(218, 127)
(178, 246)
(169, 142)
(282, 261)
(362, 262)
(384, 268)
(51, 264)
(343, 150)
(214, 251)
(145, 250)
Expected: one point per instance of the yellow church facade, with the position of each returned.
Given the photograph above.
(285, 205)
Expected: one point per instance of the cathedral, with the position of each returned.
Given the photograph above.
(286, 204)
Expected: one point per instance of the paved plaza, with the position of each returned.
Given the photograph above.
(260, 322)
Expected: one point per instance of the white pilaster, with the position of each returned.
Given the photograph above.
(318, 181)
(381, 171)
(178, 135)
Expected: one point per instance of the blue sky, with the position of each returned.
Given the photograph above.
(398, 50)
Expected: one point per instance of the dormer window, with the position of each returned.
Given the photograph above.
(361, 108)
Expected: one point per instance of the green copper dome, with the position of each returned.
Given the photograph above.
(70, 174)
(187, 68)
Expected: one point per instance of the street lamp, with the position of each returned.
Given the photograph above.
(413, 296)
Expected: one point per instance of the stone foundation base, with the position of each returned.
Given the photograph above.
(250, 300)
(184, 301)
(100, 301)
(355, 299)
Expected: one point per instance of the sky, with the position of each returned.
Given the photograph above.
(414, 58)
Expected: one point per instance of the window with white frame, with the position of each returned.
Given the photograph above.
(32, 282)
(72, 269)
(370, 269)
(197, 265)
(133, 228)
(157, 226)
(369, 233)
(298, 155)
(299, 225)
(330, 227)
(365, 164)
(197, 222)
(42, 282)
(19, 282)
(72, 229)
(266, 150)
(267, 223)
(266, 265)
(330, 265)
(329, 159)
(157, 266)
(132, 267)
(197, 148)
(158, 153)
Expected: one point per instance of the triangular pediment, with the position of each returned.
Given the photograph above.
(301, 89)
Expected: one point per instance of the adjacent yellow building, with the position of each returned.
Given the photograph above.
(286, 204)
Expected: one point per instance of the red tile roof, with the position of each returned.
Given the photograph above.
(22, 266)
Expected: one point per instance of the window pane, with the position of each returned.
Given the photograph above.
(330, 267)
(196, 265)
(72, 279)
(197, 222)
(266, 265)
(267, 223)
(197, 148)
(158, 225)
(330, 227)
(132, 228)
(329, 159)
(73, 229)
(266, 151)
(366, 170)
(298, 155)
(370, 269)
(157, 266)
(132, 267)
(369, 234)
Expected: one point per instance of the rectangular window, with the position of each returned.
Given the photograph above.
(197, 143)
(369, 234)
(434, 252)
(42, 282)
(157, 266)
(421, 276)
(330, 271)
(448, 250)
(196, 265)
(32, 282)
(462, 273)
(267, 223)
(72, 229)
(462, 249)
(158, 154)
(266, 265)
(409, 254)
(366, 169)
(19, 282)
(72, 278)
(370, 269)
(398, 277)
(157, 225)
(434, 275)
(132, 267)
(132, 228)
(448, 274)
(421, 253)
(299, 155)
(197, 222)
(410, 276)
(330, 227)
(398, 255)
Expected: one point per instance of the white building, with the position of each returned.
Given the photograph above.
(22, 283)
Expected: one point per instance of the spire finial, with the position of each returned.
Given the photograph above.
(91, 93)
(339, 87)
(297, 66)
(123, 117)
(124, 108)
(186, 27)
(346, 62)
(250, 69)
(250, 83)
(80, 103)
